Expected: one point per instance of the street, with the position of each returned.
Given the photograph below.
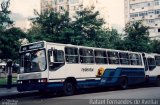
(100, 97)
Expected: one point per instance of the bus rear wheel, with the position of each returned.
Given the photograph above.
(123, 83)
(69, 88)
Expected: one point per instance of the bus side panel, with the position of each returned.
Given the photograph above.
(111, 77)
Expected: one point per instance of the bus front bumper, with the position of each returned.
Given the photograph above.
(30, 86)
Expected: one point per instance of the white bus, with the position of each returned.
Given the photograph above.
(52, 66)
(152, 68)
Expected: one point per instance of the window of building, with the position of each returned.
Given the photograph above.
(150, 11)
(100, 57)
(54, 2)
(61, 8)
(124, 58)
(73, 1)
(156, 2)
(71, 55)
(113, 57)
(86, 55)
(157, 58)
(157, 11)
(60, 1)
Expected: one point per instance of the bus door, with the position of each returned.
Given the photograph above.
(151, 65)
(55, 61)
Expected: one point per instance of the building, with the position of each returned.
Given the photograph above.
(75, 5)
(146, 10)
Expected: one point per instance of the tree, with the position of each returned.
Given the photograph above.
(50, 26)
(87, 27)
(137, 37)
(10, 43)
(9, 35)
(155, 46)
(4, 15)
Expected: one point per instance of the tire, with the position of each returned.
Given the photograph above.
(68, 88)
(158, 82)
(123, 83)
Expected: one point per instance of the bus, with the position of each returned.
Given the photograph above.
(152, 68)
(52, 66)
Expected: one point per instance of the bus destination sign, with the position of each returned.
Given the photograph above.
(32, 46)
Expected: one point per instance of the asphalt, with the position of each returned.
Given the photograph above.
(135, 96)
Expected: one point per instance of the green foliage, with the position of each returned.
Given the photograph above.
(5, 20)
(87, 26)
(9, 35)
(155, 46)
(50, 26)
(10, 44)
(137, 37)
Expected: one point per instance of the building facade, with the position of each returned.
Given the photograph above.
(146, 10)
(75, 5)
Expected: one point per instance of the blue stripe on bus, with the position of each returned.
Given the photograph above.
(112, 76)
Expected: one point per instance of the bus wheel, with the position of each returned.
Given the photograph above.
(68, 88)
(158, 81)
(123, 83)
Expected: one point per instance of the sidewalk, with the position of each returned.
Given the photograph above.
(5, 91)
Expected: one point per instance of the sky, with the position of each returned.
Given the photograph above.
(23, 9)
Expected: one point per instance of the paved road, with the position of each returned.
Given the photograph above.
(101, 97)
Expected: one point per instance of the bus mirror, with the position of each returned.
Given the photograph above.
(21, 70)
(50, 54)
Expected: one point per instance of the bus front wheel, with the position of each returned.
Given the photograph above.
(69, 88)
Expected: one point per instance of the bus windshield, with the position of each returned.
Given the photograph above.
(33, 61)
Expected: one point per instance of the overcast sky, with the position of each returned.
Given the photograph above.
(25, 9)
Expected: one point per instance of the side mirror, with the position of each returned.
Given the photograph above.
(20, 70)
(50, 56)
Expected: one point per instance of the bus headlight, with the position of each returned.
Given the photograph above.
(19, 82)
(44, 80)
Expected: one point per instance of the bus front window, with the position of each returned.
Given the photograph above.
(33, 61)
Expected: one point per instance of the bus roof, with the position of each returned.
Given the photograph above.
(78, 46)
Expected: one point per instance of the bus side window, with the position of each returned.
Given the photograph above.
(124, 58)
(100, 57)
(113, 57)
(86, 55)
(71, 55)
(135, 59)
(157, 58)
(58, 60)
(151, 63)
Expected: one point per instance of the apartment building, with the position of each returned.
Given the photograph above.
(75, 5)
(146, 10)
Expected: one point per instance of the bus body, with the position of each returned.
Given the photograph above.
(46, 65)
(152, 67)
